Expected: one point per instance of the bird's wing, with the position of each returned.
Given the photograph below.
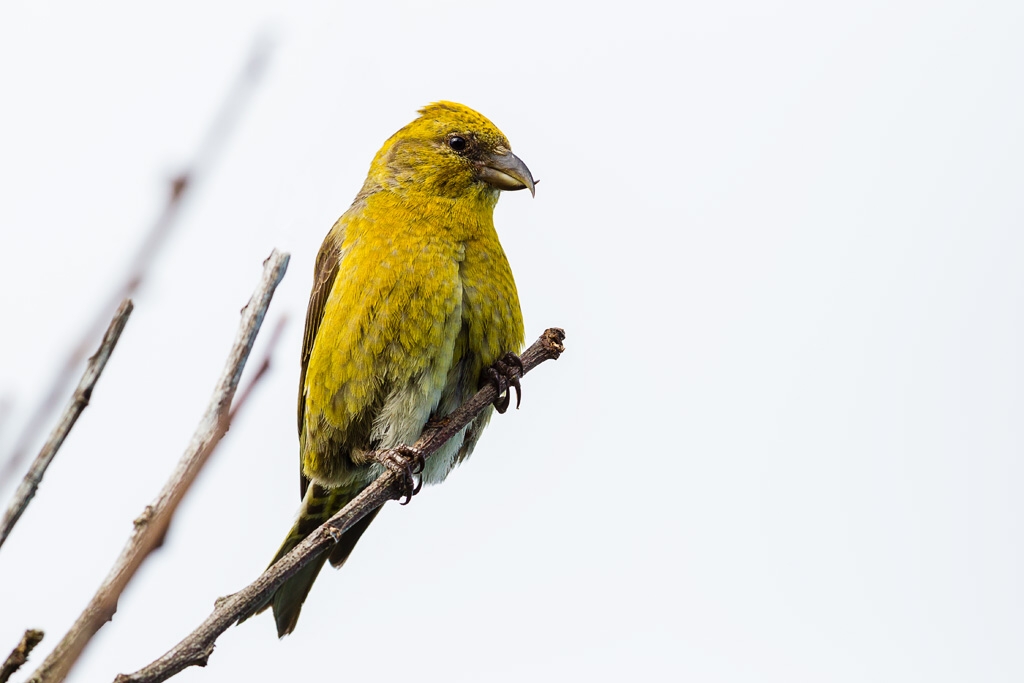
(327, 264)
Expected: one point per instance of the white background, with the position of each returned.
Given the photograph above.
(785, 242)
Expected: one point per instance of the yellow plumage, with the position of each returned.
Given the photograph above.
(413, 298)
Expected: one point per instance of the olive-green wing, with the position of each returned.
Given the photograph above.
(328, 261)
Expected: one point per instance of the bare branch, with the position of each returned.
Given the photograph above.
(261, 369)
(197, 647)
(152, 524)
(6, 407)
(19, 655)
(156, 237)
(79, 400)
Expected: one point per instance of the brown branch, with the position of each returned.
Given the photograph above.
(19, 655)
(222, 124)
(261, 369)
(6, 407)
(152, 524)
(197, 647)
(79, 400)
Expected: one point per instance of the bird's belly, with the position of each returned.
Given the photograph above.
(410, 414)
(394, 366)
(380, 362)
(491, 326)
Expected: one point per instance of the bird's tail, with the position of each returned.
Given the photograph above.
(318, 505)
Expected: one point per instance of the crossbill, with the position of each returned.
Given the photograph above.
(413, 302)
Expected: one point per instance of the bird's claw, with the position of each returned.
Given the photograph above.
(504, 376)
(407, 461)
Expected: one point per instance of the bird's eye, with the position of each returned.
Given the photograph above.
(458, 144)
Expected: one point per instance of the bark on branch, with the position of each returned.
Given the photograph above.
(19, 655)
(197, 647)
(79, 400)
(152, 524)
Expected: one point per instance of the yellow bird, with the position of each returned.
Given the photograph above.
(413, 308)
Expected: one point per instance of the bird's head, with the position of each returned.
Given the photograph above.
(449, 151)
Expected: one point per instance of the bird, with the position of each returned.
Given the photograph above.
(413, 308)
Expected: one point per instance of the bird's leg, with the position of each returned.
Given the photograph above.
(406, 461)
(504, 376)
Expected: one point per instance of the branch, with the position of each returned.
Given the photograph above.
(152, 524)
(19, 655)
(156, 237)
(261, 369)
(197, 647)
(79, 400)
(6, 406)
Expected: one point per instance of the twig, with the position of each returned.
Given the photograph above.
(6, 406)
(152, 524)
(79, 400)
(197, 647)
(223, 122)
(19, 655)
(261, 369)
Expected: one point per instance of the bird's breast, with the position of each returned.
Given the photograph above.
(416, 312)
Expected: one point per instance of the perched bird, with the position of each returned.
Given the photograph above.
(413, 302)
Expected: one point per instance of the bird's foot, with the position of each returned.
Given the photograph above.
(407, 461)
(504, 377)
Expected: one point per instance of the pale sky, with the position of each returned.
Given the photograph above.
(785, 241)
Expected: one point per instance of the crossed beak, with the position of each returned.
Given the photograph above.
(505, 171)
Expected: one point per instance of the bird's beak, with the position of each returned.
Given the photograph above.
(504, 170)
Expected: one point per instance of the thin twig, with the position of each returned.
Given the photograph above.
(261, 369)
(79, 400)
(197, 647)
(6, 407)
(19, 655)
(224, 121)
(152, 524)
